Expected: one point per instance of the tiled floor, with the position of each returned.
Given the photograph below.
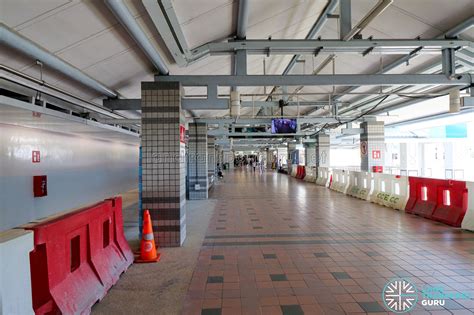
(278, 245)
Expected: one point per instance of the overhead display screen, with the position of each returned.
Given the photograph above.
(283, 125)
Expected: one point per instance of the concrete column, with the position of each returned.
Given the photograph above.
(269, 159)
(372, 145)
(197, 161)
(163, 161)
(310, 154)
(323, 149)
(228, 157)
(291, 150)
(211, 160)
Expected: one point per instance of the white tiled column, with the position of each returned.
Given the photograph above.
(211, 160)
(310, 154)
(373, 138)
(323, 146)
(163, 161)
(197, 161)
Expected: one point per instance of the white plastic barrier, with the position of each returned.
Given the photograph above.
(293, 170)
(468, 221)
(359, 185)
(15, 284)
(323, 176)
(390, 190)
(310, 174)
(340, 180)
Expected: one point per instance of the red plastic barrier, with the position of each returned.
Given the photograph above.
(452, 203)
(438, 199)
(77, 258)
(300, 172)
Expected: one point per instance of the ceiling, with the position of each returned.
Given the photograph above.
(87, 35)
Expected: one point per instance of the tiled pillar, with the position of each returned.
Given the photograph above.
(323, 149)
(372, 146)
(163, 161)
(211, 160)
(197, 161)
(228, 158)
(291, 155)
(310, 154)
(270, 159)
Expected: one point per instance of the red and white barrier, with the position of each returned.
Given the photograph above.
(340, 181)
(77, 257)
(324, 176)
(294, 169)
(468, 221)
(442, 200)
(360, 185)
(15, 284)
(310, 174)
(447, 201)
(389, 190)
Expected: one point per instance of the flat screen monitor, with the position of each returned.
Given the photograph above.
(283, 125)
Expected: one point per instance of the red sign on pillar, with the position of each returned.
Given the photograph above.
(35, 156)
(376, 154)
(182, 134)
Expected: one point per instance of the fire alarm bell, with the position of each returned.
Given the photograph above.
(40, 186)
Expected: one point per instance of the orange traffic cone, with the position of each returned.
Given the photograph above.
(148, 252)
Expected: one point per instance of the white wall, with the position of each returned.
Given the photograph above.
(80, 171)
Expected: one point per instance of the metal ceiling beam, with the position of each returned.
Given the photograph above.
(386, 109)
(430, 69)
(239, 58)
(164, 18)
(317, 26)
(203, 104)
(468, 64)
(20, 43)
(345, 18)
(466, 54)
(123, 15)
(122, 104)
(262, 121)
(125, 121)
(242, 19)
(330, 46)
(364, 102)
(460, 28)
(452, 33)
(243, 121)
(381, 6)
(218, 132)
(337, 79)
